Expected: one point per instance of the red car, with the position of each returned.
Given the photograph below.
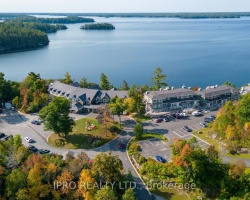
(121, 145)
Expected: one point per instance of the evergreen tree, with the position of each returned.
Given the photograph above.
(104, 82)
(124, 85)
(159, 79)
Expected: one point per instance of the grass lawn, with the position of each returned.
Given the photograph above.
(172, 194)
(143, 118)
(147, 136)
(243, 156)
(203, 137)
(216, 145)
(80, 137)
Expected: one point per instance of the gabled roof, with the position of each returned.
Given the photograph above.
(84, 93)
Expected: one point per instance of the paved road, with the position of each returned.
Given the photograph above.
(12, 122)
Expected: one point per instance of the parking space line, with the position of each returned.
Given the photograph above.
(177, 134)
(201, 139)
(145, 144)
(150, 142)
(166, 157)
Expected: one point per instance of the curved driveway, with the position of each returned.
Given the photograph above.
(16, 123)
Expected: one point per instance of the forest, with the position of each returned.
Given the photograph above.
(24, 175)
(98, 26)
(16, 37)
(63, 20)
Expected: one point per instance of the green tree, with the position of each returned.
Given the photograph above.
(56, 116)
(125, 86)
(106, 193)
(159, 79)
(108, 169)
(104, 82)
(117, 106)
(229, 84)
(16, 102)
(85, 84)
(15, 181)
(67, 79)
(137, 93)
(17, 141)
(129, 195)
(138, 131)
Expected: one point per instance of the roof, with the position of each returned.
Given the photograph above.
(182, 92)
(217, 91)
(83, 93)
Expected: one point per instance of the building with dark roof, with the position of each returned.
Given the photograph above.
(170, 100)
(216, 96)
(179, 99)
(83, 98)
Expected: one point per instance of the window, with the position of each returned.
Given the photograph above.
(154, 101)
(154, 106)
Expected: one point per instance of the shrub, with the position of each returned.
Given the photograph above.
(60, 142)
(113, 129)
(134, 148)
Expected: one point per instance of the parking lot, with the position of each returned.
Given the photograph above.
(172, 129)
(180, 132)
(155, 147)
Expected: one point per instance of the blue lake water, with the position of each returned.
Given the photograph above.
(191, 52)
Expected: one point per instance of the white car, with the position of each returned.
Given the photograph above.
(29, 140)
(196, 113)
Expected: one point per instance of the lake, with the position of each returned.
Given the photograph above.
(191, 52)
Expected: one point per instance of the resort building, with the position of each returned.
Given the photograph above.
(245, 89)
(83, 99)
(216, 96)
(171, 100)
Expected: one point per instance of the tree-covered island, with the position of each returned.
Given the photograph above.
(98, 26)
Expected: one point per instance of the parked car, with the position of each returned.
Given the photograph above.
(13, 108)
(29, 140)
(202, 124)
(2, 135)
(166, 119)
(186, 128)
(121, 145)
(176, 115)
(157, 120)
(160, 159)
(6, 137)
(196, 113)
(44, 151)
(36, 122)
(212, 117)
(32, 148)
(183, 115)
(208, 119)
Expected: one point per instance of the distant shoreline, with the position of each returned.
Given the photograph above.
(181, 15)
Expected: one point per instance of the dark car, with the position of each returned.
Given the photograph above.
(43, 151)
(212, 117)
(6, 137)
(35, 122)
(158, 120)
(187, 129)
(208, 119)
(160, 159)
(32, 148)
(121, 145)
(2, 135)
